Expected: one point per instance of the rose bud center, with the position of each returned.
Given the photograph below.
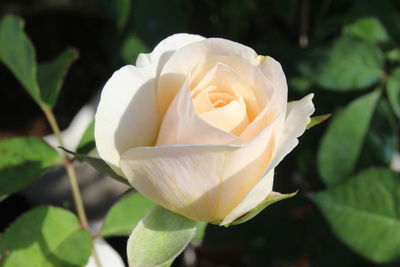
(217, 101)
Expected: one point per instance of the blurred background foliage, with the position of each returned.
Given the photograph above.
(346, 52)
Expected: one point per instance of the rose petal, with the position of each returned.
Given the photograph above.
(226, 86)
(297, 118)
(127, 114)
(231, 118)
(176, 69)
(249, 81)
(183, 178)
(255, 197)
(163, 51)
(277, 101)
(181, 125)
(273, 71)
(201, 182)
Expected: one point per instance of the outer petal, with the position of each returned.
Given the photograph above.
(181, 125)
(297, 118)
(127, 114)
(273, 71)
(201, 182)
(183, 178)
(177, 68)
(255, 197)
(163, 51)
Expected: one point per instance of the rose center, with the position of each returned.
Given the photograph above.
(220, 100)
(217, 101)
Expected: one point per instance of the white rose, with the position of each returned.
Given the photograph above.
(198, 126)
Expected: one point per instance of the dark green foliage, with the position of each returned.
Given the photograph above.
(346, 52)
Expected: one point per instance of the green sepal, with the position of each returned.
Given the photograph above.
(201, 231)
(317, 120)
(99, 164)
(271, 199)
(87, 143)
(159, 237)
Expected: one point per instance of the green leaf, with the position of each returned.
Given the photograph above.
(271, 199)
(300, 84)
(100, 165)
(393, 55)
(201, 230)
(44, 237)
(125, 214)
(381, 141)
(121, 10)
(368, 28)
(18, 54)
(51, 75)
(317, 120)
(364, 214)
(22, 160)
(159, 238)
(350, 64)
(342, 142)
(87, 143)
(131, 48)
(393, 90)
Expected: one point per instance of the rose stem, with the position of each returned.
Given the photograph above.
(69, 167)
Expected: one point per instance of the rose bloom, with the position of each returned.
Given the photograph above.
(198, 126)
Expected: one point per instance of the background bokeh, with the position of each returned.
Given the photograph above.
(340, 50)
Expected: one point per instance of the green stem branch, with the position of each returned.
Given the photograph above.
(69, 167)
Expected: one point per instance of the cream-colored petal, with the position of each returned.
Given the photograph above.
(223, 77)
(297, 118)
(163, 51)
(201, 182)
(258, 194)
(231, 118)
(182, 62)
(248, 166)
(277, 101)
(257, 91)
(270, 113)
(201, 100)
(127, 114)
(273, 71)
(181, 125)
(218, 99)
(183, 178)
